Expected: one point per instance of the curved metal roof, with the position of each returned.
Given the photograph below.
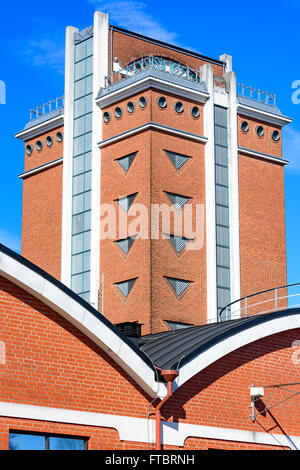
(173, 349)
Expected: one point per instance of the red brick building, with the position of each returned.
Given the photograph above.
(67, 372)
(153, 198)
(149, 127)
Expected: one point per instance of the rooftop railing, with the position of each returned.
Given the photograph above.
(256, 95)
(267, 301)
(155, 63)
(53, 105)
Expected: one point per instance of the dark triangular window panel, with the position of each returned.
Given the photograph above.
(173, 325)
(126, 161)
(177, 159)
(125, 286)
(179, 243)
(125, 243)
(125, 202)
(179, 286)
(177, 200)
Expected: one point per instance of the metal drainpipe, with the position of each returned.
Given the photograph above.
(169, 376)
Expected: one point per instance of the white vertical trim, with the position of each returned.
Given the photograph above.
(233, 175)
(208, 120)
(100, 70)
(67, 158)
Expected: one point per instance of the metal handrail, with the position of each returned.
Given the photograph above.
(275, 299)
(156, 63)
(257, 95)
(53, 105)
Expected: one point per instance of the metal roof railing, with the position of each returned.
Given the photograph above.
(256, 95)
(53, 105)
(155, 63)
(267, 301)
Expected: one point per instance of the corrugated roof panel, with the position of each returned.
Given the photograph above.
(171, 349)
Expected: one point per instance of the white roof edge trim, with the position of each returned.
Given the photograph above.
(262, 156)
(236, 341)
(46, 126)
(263, 115)
(147, 82)
(84, 320)
(152, 125)
(40, 168)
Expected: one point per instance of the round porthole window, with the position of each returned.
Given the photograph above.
(29, 149)
(275, 136)
(130, 106)
(118, 112)
(162, 102)
(195, 112)
(178, 107)
(143, 102)
(59, 136)
(106, 117)
(244, 126)
(260, 131)
(39, 145)
(49, 141)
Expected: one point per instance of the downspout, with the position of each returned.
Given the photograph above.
(169, 376)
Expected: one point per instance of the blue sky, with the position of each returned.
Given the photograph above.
(263, 39)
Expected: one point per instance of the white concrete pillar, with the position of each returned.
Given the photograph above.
(67, 158)
(233, 175)
(100, 70)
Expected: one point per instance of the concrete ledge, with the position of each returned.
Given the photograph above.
(153, 126)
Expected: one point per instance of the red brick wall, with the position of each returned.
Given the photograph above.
(42, 206)
(263, 144)
(113, 264)
(41, 219)
(262, 225)
(151, 300)
(42, 350)
(51, 363)
(220, 394)
(167, 116)
(127, 48)
(191, 264)
(47, 154)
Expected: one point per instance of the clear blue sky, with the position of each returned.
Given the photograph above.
(262, 37)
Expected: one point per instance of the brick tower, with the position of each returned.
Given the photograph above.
(149, 131)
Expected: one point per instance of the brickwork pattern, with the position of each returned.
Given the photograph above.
(262, 225)
(127, 49)
(50, 363)
(42, 219)
(150, 175)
